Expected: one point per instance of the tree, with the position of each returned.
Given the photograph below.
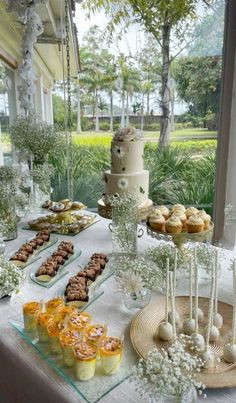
(160, 18)
(198, 81)
(58, 110)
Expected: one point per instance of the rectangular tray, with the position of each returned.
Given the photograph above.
(90, 391)
(94, 287)
(35, 256)
(61, 272)
(26, 227)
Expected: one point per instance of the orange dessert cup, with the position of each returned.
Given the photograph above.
(53, 304)
(85, 361)
(78, 321)
(29, 311)
(110, 349)
(68, 338)
(42, 319)
(54, 328)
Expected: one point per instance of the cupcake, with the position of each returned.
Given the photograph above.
(29, 311)
(181, 215)
(191, 211)
(68, 338)
(174, 225)
(195, 224)
(155, 212)
(110, 349)
(205, 217)
(42, 319)
(164, 211)
(85, 360)
(158, 223)
(178, 207)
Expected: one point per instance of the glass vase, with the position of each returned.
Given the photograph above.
(135, 301)
(8, 224)
(125, 232)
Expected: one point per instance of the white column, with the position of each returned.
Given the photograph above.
(39, 98)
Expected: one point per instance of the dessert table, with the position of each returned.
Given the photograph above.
(25, 377)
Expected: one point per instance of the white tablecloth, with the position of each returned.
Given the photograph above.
(26, 378)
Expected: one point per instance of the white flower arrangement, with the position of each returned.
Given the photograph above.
(142, 269)
(123, 183)
(118, 151)
(130, 282)
(11, 277)
(169, 373)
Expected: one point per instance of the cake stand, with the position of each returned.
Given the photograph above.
(105, 210)
(183, 237)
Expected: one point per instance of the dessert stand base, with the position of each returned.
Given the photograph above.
(105, 210)
(143, 337)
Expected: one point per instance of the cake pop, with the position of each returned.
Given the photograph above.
(197, 339)
(176, 315)
(217, 317)
(229, 352)
(165, 329)
(189, 324)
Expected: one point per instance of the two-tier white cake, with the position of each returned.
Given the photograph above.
(127, 174)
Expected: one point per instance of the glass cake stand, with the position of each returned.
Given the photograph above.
(183, 237)
(105, 210)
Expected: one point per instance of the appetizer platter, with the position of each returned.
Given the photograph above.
(78, 347)
(62, 205)
(52, 269)
(29, 251)
(64, 223)
(81, 288)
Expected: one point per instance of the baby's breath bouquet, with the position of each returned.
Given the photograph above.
(11, 277)
(12, 197)
(169, 374)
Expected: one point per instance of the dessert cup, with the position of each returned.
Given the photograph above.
(42, 319)
(68, 338)
(29, 311)
(53, 304)
(110, 350)
(85, 360)
(53, 328)
(78, 321)
(65, 311)
(93, 333)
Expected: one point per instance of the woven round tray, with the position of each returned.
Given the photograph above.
(144, 339)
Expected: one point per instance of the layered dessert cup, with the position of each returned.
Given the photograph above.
(68, 338)
(93, 334)
(78, 321)
(110, 350)
(85, 360)
(53, 304)
(29, 311)
(53, 328)
(42, 319)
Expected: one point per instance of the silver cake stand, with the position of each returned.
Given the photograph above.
(105, 210)
(183, 237)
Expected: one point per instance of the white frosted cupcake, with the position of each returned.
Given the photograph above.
(174, 225)
(155, 213)
(164, 211)
(195, 224)
(157, 223)
(191, 211)
(205, 217)
(178, 207)
(181, 215)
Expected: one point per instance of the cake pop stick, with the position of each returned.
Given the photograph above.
(170, 315)
(230, 348)
(217, 318)
(165, 329)
(172, 299)
(212, 333)
(198, 341)
(189, 324)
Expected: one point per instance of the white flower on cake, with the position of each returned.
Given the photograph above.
(122, 183)
(118, 152)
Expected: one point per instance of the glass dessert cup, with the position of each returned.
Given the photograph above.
(29, 311)
(85, 361)
(78, 321)
(53, 328)
(42, 319)
(65, 311)
(110, 351)
(53, 304)
(68, 338)
(93, 334)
